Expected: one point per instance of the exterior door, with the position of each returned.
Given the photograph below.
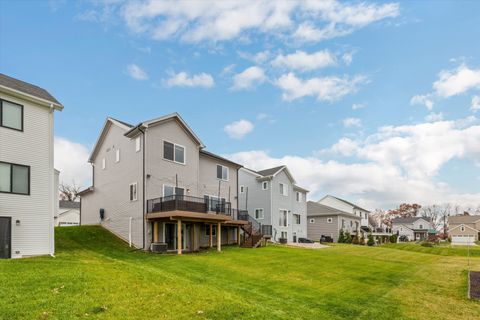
(5, 237)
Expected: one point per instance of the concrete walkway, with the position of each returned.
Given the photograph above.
(314, 245)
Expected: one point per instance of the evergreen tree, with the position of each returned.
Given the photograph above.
(370, 241)
(341, 237)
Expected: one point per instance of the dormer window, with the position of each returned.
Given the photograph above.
(11, 115)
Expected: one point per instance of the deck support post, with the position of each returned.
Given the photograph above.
(210, 239)
(179, 236)
(193, 237)
(238, 235)
(155, 231)
(219, 237)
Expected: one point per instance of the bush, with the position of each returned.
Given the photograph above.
(348, 237)
(341, 237)
(393, 238)
(426, 244)
(370, 241)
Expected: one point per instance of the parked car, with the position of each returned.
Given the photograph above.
(326, 239)
(305, 240)
(282, 240)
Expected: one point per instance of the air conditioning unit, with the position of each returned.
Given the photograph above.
(158, 247)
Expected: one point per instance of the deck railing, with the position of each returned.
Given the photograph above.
(191, 204)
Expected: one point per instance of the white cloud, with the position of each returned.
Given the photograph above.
(303, 61)
(357, 106)
(71, 159)
(454, 82)
(394, 165)
(352, 122)
(183, 79)
(347, 58)
(422, 100)
(475, 106)
(238, 129)
(330, 88)
(135, 72)
(248, 78)
(433, 117)
(227, 20)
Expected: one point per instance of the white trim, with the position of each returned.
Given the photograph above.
(311, 220)
(138, 144)
(462, 224)
(242, 189)
(255, 213)
(171, 186)
(286, 218)
(285, 189)
(299, 218)
(228, 172)
(265, 182)
(104, 163)
(133, 196)
(117, 156)
(174, 145)
(329, 220)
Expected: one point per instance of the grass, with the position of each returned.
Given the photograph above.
(95, 276)
(442, 249)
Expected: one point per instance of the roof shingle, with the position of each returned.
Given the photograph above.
(27, 88)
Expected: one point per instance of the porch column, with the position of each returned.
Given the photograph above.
(219, 237)
(210, 240)
(179, 236)
(155, 231)
(228, 230)
(238, 235)
(193, 239)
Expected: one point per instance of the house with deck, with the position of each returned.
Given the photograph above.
(413, 228)
(156, 187)
(273, 198)
(28, 194)
(464, 229)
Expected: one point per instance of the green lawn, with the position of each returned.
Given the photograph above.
(94, 275)
(443, 249)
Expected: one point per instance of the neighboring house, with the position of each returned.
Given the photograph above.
(155, 183)
(464, 229)
(346, 206)
(272, 197)
(68, 214)
(414, 228)
(27, 176)
(327, 221)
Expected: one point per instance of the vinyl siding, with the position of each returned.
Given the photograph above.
(321, 227)
(256, 197)
(32, 147)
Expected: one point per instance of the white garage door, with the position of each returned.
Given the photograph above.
(463, 239)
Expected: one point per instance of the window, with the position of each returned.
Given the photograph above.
(258, 213)
(215, 204)
(264, 185)
(207, 230)
(299, 196)
(462, 228)
(11, 115)
(173, 152)
(117, 156)
(133, 191)
(312, 220)
(14, 178)
(329, 220)
(137, 144)
(284, 235)
(296, 218)
(172, 191)
(104, 164)
(283, 218)
(283, 189)
(420, 226)
(222, 172)
(242, 189)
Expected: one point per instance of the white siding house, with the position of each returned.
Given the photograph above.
(27, 176)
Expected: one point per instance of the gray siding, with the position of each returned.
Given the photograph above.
(320, 227)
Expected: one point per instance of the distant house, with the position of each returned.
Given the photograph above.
(68, 214)
(272, 197)
(464, 229)
(327, 221)
(27, 178)
(346, 206)
(414, 228)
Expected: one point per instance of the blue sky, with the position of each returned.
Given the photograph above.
(373, 101)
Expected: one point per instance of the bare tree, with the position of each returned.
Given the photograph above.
(69, 192)
(438, 214)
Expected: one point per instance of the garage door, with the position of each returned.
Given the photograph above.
(467, 239)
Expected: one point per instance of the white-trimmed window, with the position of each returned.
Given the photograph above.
(298, 196)
(11, 115)
(172, 191)
(311, 220)
(14, 178)
(296, 218)
(329, 220)
(117, 155)
(242, 189)
(222, 172)
(173, 152)
(283, 218)
(420, 226)
(259, 213)
(264, 185)
(104, 163)
(283, 189)
(133, 192)
(137, 144)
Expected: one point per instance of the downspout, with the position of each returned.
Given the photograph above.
(143, 183)
(52, 182)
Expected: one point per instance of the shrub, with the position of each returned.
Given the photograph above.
(341, 237)
(370, 241)
(393, 238)
(426, 244)
(348, 237)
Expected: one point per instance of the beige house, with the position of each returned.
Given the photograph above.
(155, 186)
(464, 229)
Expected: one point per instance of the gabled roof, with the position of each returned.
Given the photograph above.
(173, 116)
(409, 219)
(17, 86)
(317, 209)
(108, 122)
(346, 202)
(463, 219)
(270, 171)
(462, 225)
(213, 155)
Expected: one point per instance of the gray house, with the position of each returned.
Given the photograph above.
(154, 183)
(273, 198)
(327, 221)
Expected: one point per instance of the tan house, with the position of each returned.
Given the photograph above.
(464, 229)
